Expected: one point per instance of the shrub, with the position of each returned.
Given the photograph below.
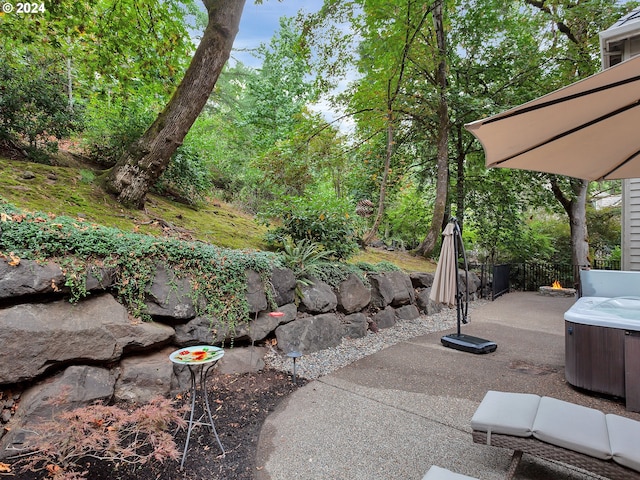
(187, 176)
(33, 103)
(317, 220)
(133, 437)
(307, 259)
(304, 258)
(111, 126)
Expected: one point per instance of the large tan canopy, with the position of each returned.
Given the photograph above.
(588, 130)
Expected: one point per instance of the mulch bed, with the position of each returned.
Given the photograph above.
(240, 404)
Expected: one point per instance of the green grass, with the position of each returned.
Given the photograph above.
(76, 192)
(404, 260)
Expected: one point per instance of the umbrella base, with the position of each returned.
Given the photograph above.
(467, 343)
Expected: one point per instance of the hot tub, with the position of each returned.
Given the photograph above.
(602, 346)
(617, 312)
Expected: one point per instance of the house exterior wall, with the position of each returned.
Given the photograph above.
(631, 224)
(619, 43)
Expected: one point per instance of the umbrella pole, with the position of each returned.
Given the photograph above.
(459, 341)
(456, 239)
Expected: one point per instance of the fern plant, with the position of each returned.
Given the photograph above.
(305, 258)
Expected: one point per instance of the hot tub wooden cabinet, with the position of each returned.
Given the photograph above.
(602, 352)
(594, 358)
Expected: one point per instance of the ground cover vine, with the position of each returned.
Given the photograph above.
(216, 275)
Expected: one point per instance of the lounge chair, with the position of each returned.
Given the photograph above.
(560, 431)
(437, 473)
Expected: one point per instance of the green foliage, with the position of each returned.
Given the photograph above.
(33, 103)
(616, 254)
(112, 126)
(309, 155)
(304, 258)
(217, 275)
(379, 267)
(336, 272)
(280, 92)
(317, 219)
(544, 239)
(187, 176)
(112, 47)
(57, 61)
(407, 218)
(604, 228)
(308, 260)
(87, 176)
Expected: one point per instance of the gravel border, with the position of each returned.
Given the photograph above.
(317, 364)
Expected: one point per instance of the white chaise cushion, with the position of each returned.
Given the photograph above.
(577, 428)
(507, 413)
(437, 473)
(624, 436)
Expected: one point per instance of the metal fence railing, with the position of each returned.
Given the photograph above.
(499, 279)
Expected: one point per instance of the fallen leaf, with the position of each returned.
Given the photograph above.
(4, 468)
(15, 260)
(53, 469)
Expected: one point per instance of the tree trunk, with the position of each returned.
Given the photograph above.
(578, 220)
(460, 178)
(429, 243)
(576, 209)
(147, 158)
(383, 182)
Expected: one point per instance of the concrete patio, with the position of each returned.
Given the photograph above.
(393, 414)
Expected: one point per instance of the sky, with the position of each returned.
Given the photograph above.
(259, 22)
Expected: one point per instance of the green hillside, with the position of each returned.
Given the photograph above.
(74, 190)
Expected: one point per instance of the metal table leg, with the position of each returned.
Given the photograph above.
(207, 409)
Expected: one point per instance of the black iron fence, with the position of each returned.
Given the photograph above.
(499, 279)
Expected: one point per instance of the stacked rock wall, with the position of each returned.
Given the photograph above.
(93, 350)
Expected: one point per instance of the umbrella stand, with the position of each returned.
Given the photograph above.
(459, 341)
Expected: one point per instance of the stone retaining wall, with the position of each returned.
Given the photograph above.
(94, 350)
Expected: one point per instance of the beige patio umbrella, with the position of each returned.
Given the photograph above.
(444, 286)
(589, 129)
(446, 289)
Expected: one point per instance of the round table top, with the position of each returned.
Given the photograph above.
(197, 355)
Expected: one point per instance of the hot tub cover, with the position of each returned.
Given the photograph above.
(617, 312)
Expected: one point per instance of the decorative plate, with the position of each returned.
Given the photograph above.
(197, 354)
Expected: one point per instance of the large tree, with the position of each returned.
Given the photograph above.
(147, 158)
(427, 246)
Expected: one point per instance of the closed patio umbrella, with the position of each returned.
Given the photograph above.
(587, 130)
(446, 289)
(444, 286)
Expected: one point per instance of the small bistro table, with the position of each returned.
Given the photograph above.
(196, 359)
